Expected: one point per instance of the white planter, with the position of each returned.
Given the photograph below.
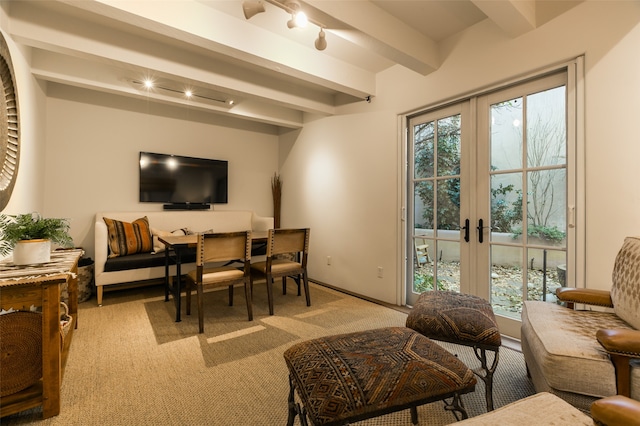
(32, 252)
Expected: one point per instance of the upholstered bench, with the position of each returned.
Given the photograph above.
(346, 378)
(462, 319)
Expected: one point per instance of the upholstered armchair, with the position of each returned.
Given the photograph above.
(594, 351)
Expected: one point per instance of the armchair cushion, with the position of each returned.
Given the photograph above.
(625, 291)
(563, 343)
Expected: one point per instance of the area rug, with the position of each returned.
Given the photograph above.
(131, 363)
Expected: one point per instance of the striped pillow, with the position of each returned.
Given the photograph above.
(129, 238)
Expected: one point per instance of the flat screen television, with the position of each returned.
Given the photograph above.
(182, 181)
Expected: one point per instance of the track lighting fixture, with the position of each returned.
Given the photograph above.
(298, 18)
(252, 8)
(321, 41)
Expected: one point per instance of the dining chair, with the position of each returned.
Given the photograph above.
(214, 249)
(280, 242)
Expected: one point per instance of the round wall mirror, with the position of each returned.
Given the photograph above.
(9, 126)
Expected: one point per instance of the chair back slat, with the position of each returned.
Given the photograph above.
(288, 241)
(221, 247)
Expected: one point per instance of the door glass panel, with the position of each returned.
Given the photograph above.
(423, 150)
(436, 204)
(448, 263)
(506, 135)
(506, 280)
(540, 230)
(547, 269)
(423, 205)
(506, 205)
(546, 206)
(448, 212)
(546, 128)
(449, 146)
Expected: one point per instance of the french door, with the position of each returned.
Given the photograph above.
(489, 184)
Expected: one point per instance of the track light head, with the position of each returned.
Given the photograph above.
(321, 41)
(252, 8)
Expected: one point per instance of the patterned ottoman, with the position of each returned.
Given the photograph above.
(462, 319)
(351, 377)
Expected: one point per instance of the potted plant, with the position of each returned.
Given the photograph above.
(30, 237)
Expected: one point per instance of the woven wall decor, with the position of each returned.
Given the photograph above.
(20, 351)
(9, 126)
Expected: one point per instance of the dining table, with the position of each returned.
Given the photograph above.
(177, 246)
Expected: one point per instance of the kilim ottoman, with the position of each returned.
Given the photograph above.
(346, 378)
(463, 319)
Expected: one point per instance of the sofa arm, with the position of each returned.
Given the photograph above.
(621, 345)
(620, 341)
(261, 223)
(101, 237)
(616, 411)
(584, 295)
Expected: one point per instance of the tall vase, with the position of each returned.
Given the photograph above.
(32, 252)
(276, 191)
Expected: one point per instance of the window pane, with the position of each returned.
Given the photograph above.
(448, 147)
(546, 128)
(423, 150)
(506, 135)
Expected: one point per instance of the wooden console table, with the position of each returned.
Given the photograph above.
(39, 286)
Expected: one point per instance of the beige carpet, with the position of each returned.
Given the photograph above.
(131, 364)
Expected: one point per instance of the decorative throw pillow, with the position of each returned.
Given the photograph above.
(129, 238)
(159, 247)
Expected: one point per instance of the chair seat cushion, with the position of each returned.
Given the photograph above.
(278, 266)
(218, 275)
(564, 346)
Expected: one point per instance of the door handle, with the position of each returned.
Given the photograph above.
(480, 228)
(466, 230)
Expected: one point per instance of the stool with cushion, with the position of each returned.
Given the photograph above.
(346, 378)
(462, 319)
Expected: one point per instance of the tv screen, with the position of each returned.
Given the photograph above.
(182, 180)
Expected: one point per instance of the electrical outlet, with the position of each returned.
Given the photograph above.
(380, 272)
(328, 260)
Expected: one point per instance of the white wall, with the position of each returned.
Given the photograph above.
(93, 143)
(340, 173)
(340, 177)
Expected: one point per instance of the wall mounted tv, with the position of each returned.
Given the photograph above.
(182, 182)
